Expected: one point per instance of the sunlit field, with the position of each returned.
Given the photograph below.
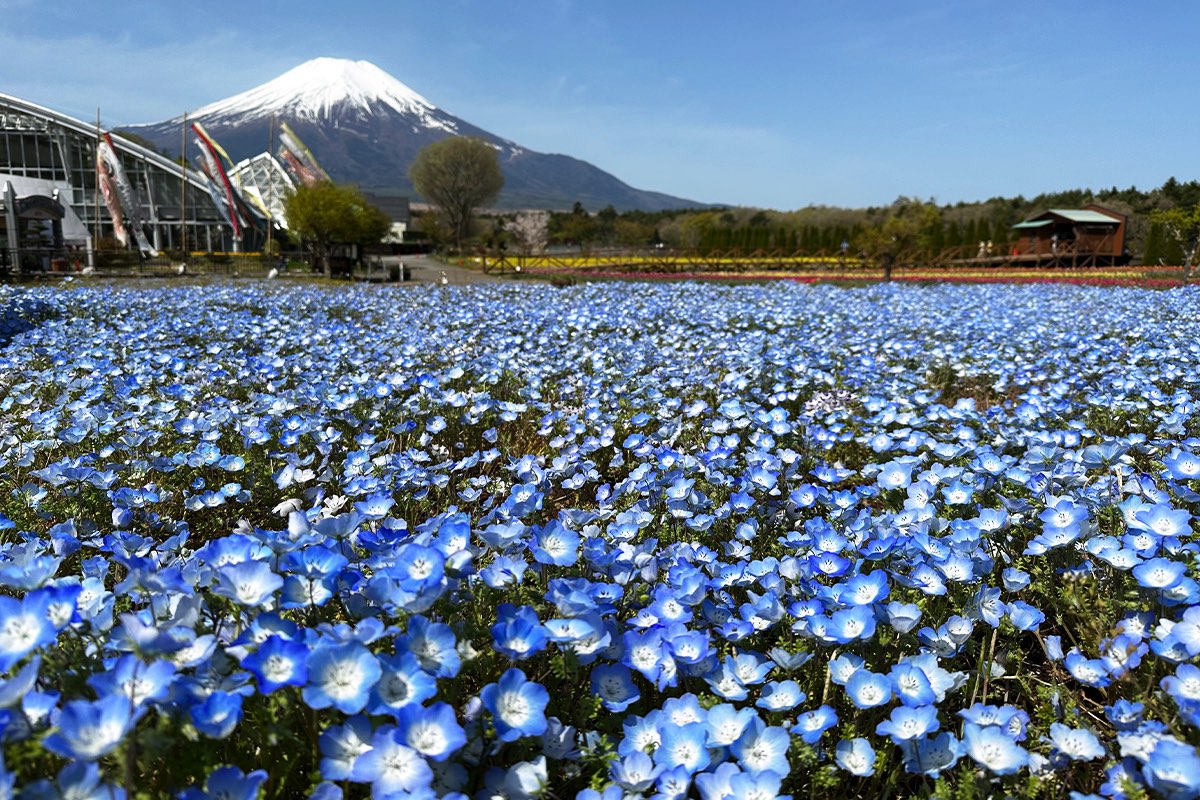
(613, 540)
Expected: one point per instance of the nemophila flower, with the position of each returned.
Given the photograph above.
(1184, 685)
(842, 666)
(1008, 718)
(500, 536)
(1162, 520)
(13, 689)
(518, 633)
(1062, 513)
(517, 705)
(1173, 770)
(341, 745)
(811, 725)
(560, 742)
(1182, 465)
(683, 746)
(647, 652)
(134, 679)
(249, 583)
(1014, 579)
(1077, 744)
(830, 564)
(228, 783)
(957, 568)
(908, 723)
(418, 567)
(278, 662)
(788, 661)
(987, 606)
(868, 689)
(912, 685)
(762, 748)
(1159, 573)
(1124, 714)
(958, 493)
(1091, 672)
(218, 714)
(850, 624)
(1024, 617)
(780, 696)
(614, 685)
(687, 646)
(341, 676)
(555, 544)
(726, 723)
(504, 571)
(992, 748)
(855, 756)
(25, 625)
(391, 766)
(433, 732)
(640, 734)
(864, 589)
(401, 682)
(926, 578)
(903, 617)
(87, 730)
(931, 756)
(894, 475)
(434, 645)
(76, 781)
(375, 505)
(635, 772)
(683, 709)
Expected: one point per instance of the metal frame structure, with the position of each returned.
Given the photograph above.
(43, 148)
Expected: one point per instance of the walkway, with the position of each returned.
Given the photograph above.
(423, 269)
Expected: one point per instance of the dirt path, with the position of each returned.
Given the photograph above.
(423, 269)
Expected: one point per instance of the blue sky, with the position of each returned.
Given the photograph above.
(773, 104)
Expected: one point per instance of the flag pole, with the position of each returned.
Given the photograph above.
(183, 188)
(270, 182)
(96, 194)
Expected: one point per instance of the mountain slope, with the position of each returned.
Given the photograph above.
(365, 127)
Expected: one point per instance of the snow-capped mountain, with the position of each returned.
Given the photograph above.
(365, 127)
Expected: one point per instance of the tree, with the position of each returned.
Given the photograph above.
(529, 230)
(457, 175)
(326, 214)
(1156, 248)
(904, 235)
(1181, 229)
(577, 228)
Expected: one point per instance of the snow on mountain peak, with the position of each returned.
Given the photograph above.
(315, 87)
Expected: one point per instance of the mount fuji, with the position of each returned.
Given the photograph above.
(365, 127)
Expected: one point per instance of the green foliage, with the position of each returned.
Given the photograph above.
(1181, 230)
(1155, 251)
(457, 175)
(327, 213)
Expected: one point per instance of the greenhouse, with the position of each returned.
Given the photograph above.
(53, 212)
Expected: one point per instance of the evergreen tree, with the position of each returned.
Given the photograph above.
(1155, 251)
(970, 235)
(954, 237)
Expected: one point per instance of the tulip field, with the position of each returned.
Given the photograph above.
(612, 540)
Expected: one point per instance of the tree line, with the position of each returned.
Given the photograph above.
(1163, 225)
(460, 175)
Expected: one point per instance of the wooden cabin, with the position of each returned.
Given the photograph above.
(1089, 236)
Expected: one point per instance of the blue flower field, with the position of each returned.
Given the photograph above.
(608, 541)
